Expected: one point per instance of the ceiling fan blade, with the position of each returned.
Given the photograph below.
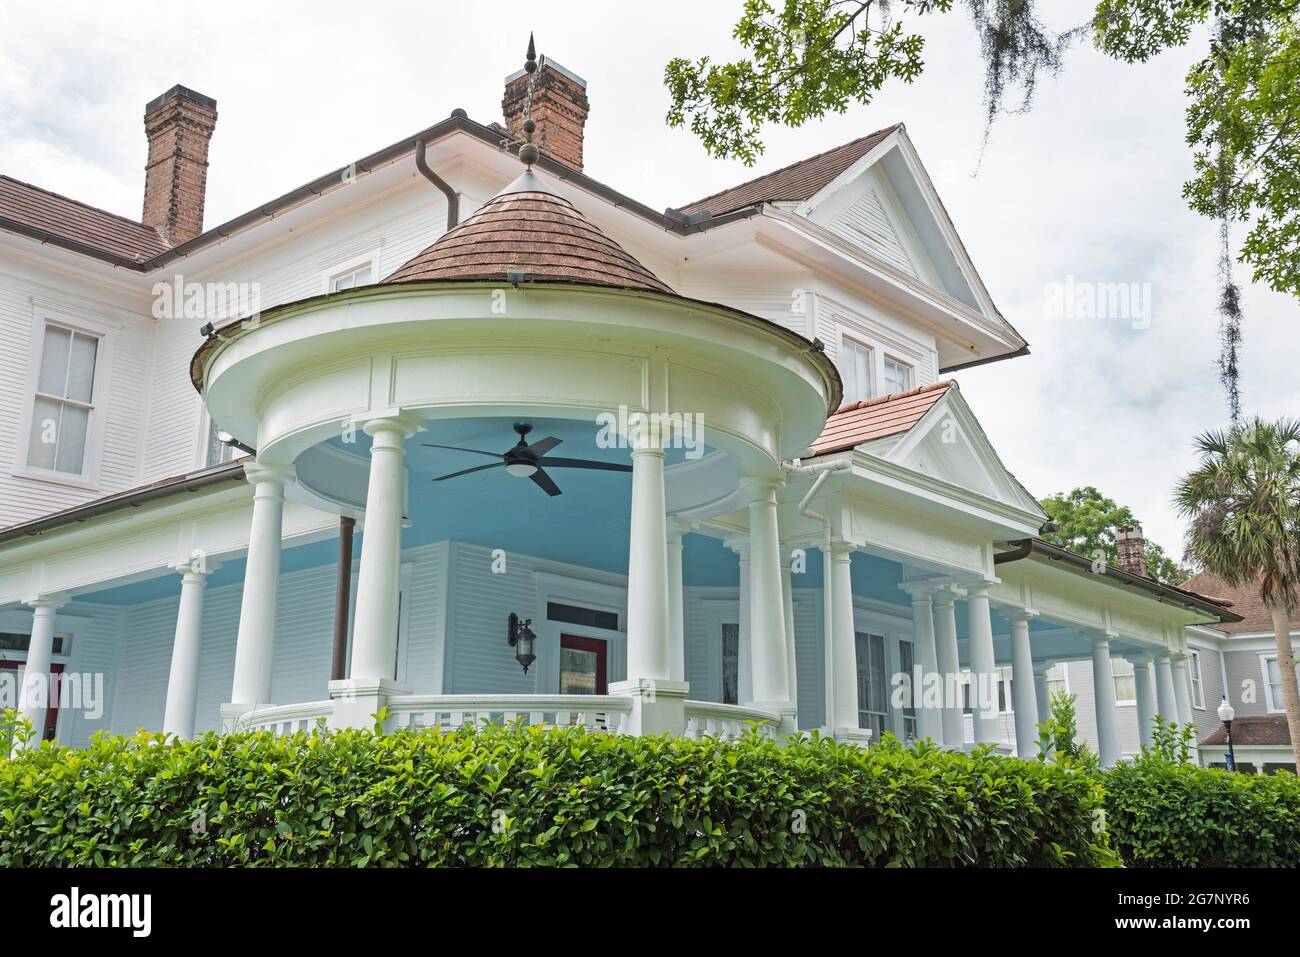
(477, 468)
(542, 446)
(457, 448)
(545, 483)
(558, 463)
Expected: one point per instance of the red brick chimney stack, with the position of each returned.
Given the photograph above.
(1131, 549)
(179, 125)
(560, 110)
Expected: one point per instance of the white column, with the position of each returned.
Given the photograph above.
(647, 569)
(983, 668)
(1182, 689)
(1146, 699)
(929, 719)
(1041, 698)
(1103, 687)
(658, 700)
(1166, 703)
(945, 640)
(1023, 694)
(767, 647)
(183, 681)
(374, 632)
(676, 602)
(35, 694)
(845, 654)
(744, 668)
(255, 641)
(787, 601)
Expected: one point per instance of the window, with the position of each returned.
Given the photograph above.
(1198, 685)
(1004, 691)
(730, 663)
(1057, 679)
(898, 376)
(64, 401)
(1122, 674)
(13, 644)
(909, 700)
(350, 279)
(1273, 684)
(873, 702)
(217, 452)
(855, 370)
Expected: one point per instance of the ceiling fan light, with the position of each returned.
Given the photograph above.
(521, 469)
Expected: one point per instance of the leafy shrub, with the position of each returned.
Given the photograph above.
(1163, 812)
(526, 796)
(1058, 735)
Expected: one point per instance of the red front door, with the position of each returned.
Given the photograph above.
(52, 711)
(583, 665)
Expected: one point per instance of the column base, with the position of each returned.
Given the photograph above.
(357, 700)
(232, 715)
(658, 705)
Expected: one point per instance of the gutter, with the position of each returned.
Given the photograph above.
(132, 498)
(1159, 590)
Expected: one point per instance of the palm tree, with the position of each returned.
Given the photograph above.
(1244, 505)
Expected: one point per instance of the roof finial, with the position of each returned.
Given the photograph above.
(528, 152)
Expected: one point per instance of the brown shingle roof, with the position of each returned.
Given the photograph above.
(1243, 599)
(527, 227)
(1263, 729)
(794, 183)
(38, 209)
(859, 422)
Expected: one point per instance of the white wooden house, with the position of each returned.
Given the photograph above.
(195, 421)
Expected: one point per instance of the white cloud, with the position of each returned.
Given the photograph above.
(1086, 185)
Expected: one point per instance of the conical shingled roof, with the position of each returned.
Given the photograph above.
(527, 227)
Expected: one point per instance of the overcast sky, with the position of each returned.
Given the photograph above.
(1085, 188)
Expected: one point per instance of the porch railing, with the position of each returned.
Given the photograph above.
(598, 713)
(708, 719)
(604, 714)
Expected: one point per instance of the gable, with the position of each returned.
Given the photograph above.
(865, 223)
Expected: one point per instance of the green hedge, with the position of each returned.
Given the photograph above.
(1166, 814)
(520, 796)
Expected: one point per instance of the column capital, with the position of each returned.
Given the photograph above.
(1140, 660)
(677, 527)
(1014, 615)
(390, 420)
(200, 566)
(841, 550)
(919, 591)
(1042, 666)
(259, 474)
(1102, 637)
(759, 485)
(738, 544)
(53, 602)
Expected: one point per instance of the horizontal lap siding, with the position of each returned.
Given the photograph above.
(479, 659)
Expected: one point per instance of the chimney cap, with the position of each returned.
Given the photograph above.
(182, 93)
(546, 62)
(1131, 533)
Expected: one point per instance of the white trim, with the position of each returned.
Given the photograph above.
(1196, 679)
(350, 262)
(1264, 658)
(585, 593)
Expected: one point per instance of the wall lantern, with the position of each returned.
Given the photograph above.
(522, 639)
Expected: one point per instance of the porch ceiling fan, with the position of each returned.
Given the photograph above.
(529, 461)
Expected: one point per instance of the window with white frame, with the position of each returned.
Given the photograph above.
(873, 701)
(898, 376)
(1003, 677)
(360, 276)
(855, 369)
(1273, 684)
(730, 662)
(1121, 671)
(908, 716)
(1198, 684)
(1057, 678)
(64, 401)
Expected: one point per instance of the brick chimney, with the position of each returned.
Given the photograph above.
(560, 110)
(179, 125)
(1131, 550)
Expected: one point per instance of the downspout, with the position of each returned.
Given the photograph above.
(822, 471)
(453, 201)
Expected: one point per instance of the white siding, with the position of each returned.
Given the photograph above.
(865, 223)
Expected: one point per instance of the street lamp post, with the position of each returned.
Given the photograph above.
(1225, 715)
